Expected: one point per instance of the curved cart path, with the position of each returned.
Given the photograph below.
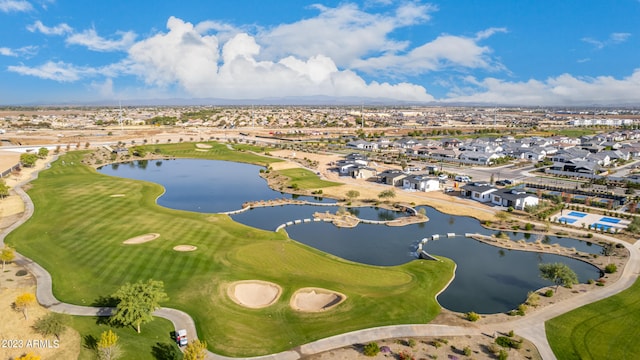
(530, 326)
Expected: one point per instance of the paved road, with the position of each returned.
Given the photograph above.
(531, 326)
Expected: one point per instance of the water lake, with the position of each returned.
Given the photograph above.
(488, 279)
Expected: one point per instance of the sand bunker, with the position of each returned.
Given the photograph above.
(185, 248)
(142, 239)
(117, 195)
(202, 150)
(203, 146)
(315, 299)
(254, 294)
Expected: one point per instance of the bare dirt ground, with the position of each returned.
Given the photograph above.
(16, 332)
(444, 347)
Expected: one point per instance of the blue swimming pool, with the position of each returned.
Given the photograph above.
(601, 226)
(610, 220)
(577, 214)
(567, 220)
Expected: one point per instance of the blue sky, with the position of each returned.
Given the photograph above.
(525, 52)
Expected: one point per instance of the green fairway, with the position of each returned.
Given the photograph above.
(306, 179)
(603, 330)
(153, 343)
(82, 218)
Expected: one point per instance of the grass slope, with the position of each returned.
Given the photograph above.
(306, 179)
(153, 343)
(78, 228)
(602, 330)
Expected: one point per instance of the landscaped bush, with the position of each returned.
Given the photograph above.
(508, 342)
(610, 269)
(528, 226)
(472, 316)
(466, 351)
(405, 356)
(371, 349)
(548, 293)
(502, 355)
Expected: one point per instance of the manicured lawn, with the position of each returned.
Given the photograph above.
(82, 217)
(154, 342)
(606, 329)
(217, 151)
(306, 179)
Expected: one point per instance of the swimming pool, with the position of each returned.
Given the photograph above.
(567, 220)
(601, 226)
(610, 220)
(577, 214)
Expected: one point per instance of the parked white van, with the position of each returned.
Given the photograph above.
(462, 178)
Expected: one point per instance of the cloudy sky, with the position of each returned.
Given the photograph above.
(525, 52)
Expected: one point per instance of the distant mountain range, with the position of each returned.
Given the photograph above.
(319, 100)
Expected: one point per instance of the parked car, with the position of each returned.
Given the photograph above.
(504, 182)
(463, 178)
(181, 337)
(443, 177)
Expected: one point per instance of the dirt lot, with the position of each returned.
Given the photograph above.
(16, 332)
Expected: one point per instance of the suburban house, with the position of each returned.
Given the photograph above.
(420, 183)
(362, 172)
(515, 198)
(479, 191)
(479, 157)
(391, 177)
(363, 145)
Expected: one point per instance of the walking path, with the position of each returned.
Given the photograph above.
(530, 326)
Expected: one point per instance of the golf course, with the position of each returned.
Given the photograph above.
(82, 220)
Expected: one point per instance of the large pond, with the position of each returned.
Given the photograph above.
(488, 279)
(200, 185)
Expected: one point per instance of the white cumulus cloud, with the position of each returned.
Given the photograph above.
(59, 29)
(205, 67)
(15, 6)
(565, 89)
(95, 42)
(27, 51)
(344, 34)
(446, 51)
(58, 71)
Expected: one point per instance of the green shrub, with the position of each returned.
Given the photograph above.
(371, 349)
(502, 355)
(507, 342)
(411, 343)
(511, 333)
(528, 226)
(610, 269)
(466, 351)
(472, 316)
(548, 293)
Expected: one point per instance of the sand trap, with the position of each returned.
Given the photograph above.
(185, 248)
(142, 239)
(117, 195)
(315, 299)
(203, 146)
(202, 150)
(254, 294)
